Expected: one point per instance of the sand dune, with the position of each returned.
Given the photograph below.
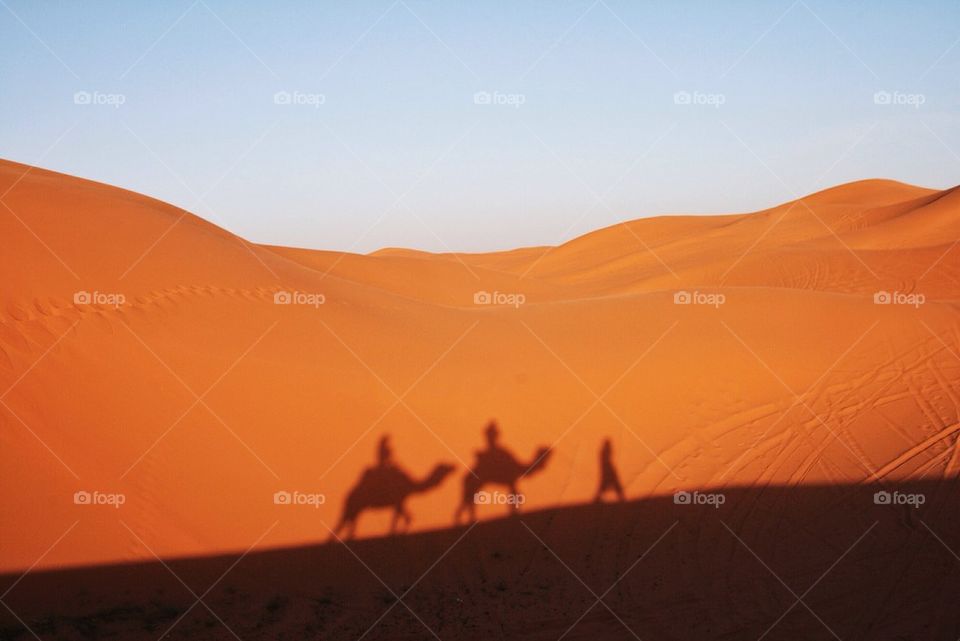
(199, 397)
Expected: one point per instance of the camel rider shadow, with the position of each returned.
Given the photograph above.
(496, 465)
(386, 485)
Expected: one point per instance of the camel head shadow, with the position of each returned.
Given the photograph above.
(387, 486)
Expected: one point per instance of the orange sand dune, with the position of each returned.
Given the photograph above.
(198, 396)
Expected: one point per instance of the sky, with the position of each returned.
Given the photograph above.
(476, 126)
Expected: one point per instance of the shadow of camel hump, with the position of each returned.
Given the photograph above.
(386, 485)
(496, 466)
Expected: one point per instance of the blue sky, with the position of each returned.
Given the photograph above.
(589, 112)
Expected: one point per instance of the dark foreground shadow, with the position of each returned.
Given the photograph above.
(831, 562)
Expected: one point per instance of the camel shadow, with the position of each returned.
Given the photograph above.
(386, 485)
(496, 466)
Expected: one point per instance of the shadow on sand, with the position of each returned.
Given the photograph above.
(814, 562)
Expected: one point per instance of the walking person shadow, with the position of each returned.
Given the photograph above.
(386, 485)
(609, 479)
(496, 465)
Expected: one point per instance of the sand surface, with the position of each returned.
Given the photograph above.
(199, 396)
